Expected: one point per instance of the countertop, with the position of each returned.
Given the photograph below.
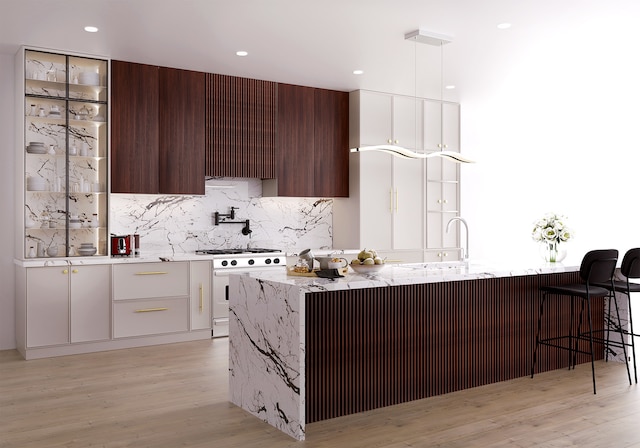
(410, 274)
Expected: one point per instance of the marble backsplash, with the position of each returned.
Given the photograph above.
(178, 224)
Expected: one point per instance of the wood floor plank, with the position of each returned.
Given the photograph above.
(176, 396)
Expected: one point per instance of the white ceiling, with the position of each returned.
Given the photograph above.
(315, 43)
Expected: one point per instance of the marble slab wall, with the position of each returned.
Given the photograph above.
(176, 224)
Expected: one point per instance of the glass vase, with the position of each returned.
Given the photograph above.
(552, 252)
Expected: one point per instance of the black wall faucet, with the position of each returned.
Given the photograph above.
(246, 230)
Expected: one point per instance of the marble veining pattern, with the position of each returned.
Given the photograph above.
(266, 352)
(183, 224)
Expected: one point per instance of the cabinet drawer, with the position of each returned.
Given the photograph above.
(150, 280)
(145, 317)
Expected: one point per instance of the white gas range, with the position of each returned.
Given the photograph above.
(233, 261)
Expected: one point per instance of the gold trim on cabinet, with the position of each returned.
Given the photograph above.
(151, 273)
(150, 310)
(201, 298)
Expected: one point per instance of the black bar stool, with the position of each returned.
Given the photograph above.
(630, 269)
(597, 267)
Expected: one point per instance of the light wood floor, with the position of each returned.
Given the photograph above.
(176, 396)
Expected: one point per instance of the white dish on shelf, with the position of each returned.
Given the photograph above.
(89, 78)
(85, 252)
(36, 150)
(75, 225)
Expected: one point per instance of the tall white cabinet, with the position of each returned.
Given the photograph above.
(400, 205)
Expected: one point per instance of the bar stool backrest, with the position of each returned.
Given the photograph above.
(630, 267)
(598, 265)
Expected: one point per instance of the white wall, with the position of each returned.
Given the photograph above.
(553, 123)
(7, 181)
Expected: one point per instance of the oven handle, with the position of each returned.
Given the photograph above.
(226, 272)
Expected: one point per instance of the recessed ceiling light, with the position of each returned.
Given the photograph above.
(358, 72)
(504, 26)
(241, 53)
(450, 87)
(91, 29)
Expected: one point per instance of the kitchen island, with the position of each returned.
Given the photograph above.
(307, 349)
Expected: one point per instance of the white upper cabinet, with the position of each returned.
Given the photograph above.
(383, 119)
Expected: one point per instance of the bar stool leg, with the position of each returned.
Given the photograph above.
(593, 367)
(621, 333)
(633, 345)
(535, 350)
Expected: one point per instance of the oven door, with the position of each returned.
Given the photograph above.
(220, 297)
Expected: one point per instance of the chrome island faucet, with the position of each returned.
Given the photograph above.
(465, 252)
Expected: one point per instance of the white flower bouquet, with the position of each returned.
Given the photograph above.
(551, 230)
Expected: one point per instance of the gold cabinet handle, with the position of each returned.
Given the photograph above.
(150, 310)
(65, 271)
(75, 271)
(390, 200)
(389, 141)
(439, 145)
(396, 200)
(201, 298)
(152, 273)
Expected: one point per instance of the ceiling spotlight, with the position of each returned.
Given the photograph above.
(358, 72)
(504, 26)
(241, 53)
(91, 29)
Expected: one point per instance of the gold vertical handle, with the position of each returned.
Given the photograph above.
(396, 200)
(201, 298)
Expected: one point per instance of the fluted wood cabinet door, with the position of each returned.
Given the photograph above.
(241, 127)
(296, 141)
(134, 128)
(181, 120)
(331, 143)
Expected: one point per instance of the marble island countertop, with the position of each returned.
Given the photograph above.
(412, 273)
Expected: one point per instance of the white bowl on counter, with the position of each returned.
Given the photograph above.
(367, 268)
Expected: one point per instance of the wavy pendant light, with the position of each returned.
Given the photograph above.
(425, 37)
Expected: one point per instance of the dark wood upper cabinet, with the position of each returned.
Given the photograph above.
(313, 143)
(295, 172)
(331, 149)
(134, 128)
(182, 131)
(240, 127)
(157, 130)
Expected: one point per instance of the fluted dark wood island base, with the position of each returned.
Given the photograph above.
(308, 350)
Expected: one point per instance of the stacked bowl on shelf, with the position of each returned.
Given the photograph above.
(87, 249)
(36, 148)
(36, 183)
(89, 78)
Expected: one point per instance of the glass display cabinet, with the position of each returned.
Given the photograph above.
(65, 149)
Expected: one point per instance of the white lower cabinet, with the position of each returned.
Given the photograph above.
(150, 298)
(67, 304)
(200, 275)
(90, 303)
(75, 308)
(150, 316)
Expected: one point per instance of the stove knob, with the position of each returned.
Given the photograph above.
(224, 262)
(234, 262)
(267, 261)
(251, 262)
(276, 261)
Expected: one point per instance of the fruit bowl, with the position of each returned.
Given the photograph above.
(367, 268)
